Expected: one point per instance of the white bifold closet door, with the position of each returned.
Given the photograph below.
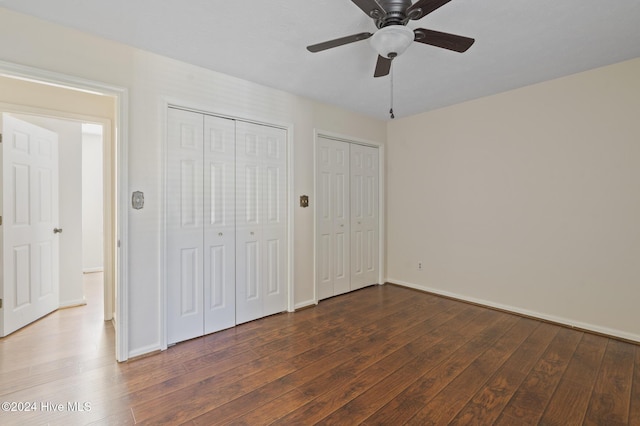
(261, 226)
(200, 225)
(332, 218)
(218, 269)
(346, 217)
(364, 215)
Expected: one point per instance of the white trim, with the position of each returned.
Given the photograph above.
(291, 203)
(73, 303)
(145, 350)
(552, 318)
(163, 225)
(120, 94)
(381, 216)
(381, 199)
(345, 138)
(305, 304)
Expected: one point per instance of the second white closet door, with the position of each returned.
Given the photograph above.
(364, 216)
(261, 221)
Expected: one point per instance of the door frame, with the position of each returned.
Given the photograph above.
(119, 170)
(381, 203)
(164, 105)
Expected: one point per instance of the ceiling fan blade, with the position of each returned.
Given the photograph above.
(444, 40)
(383, 66)
(424, 7)
(338, 42)
(372, 8)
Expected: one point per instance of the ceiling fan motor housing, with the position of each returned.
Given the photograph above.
(396, 13)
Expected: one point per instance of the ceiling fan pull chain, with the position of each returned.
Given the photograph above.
(391, 95)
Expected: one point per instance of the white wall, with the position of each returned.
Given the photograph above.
(92, 205)
(527, 200)
(151, 80)
(70, 204)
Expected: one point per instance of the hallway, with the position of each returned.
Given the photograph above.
(68, 342)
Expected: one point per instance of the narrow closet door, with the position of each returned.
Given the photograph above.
(185, 243)
(261, 231)
(332, 218)
(219, 224)
(364, 216)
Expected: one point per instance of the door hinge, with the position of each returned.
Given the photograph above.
(0, 220)
(0, 137)
(0, 303)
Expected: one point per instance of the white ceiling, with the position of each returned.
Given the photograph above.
(518, 42)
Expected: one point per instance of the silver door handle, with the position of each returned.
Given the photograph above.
(57, 230)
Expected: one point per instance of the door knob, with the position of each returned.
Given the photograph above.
(57, 230)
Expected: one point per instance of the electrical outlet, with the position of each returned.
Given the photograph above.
(419, 266)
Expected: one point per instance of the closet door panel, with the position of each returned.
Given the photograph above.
(219, 223)
(274, 220)
(261, 227)
(364, 216)
(185, 248)
(332, 218)
(249, 299)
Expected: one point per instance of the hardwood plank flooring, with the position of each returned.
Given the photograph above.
(383, 355)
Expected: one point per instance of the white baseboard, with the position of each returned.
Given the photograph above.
(546, 317)
(304, 304)
(144, 350)
(72, 303)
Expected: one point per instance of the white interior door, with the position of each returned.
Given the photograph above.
(332, 218)
(364, 216)
(219, 224)
(185, 236)
(30, 249)
(261, 218)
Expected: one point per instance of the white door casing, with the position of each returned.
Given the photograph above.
(364, 216)
(332, 218)
(30, 249)
(261, 221)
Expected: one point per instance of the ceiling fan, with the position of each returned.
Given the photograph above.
(393, 37)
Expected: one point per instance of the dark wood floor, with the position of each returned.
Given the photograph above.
(382, 355)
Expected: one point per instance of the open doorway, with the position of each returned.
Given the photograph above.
(81, 204)
(53, 96)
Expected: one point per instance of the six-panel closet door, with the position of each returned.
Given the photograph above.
(347, 217)
(200, 217)
(333, 219)
(226, 223)
(261, 221)
(364, 215)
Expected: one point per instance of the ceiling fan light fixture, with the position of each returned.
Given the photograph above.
(392, 39)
